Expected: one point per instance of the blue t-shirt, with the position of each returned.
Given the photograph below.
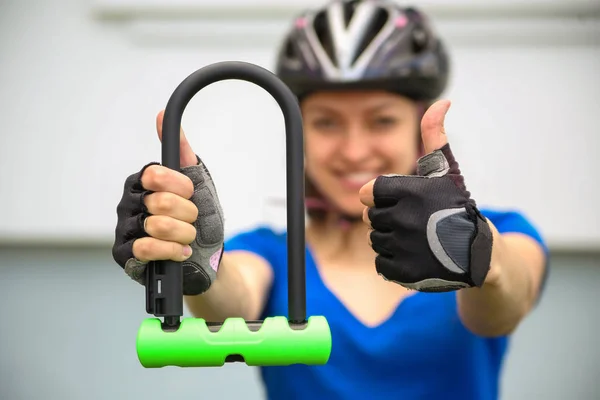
(421, 352)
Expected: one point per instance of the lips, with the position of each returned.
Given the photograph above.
(356, 180)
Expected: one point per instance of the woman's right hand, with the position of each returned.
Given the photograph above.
(171, 215)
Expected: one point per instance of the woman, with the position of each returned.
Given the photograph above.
(364, 73)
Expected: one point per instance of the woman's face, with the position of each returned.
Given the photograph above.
(353, 137)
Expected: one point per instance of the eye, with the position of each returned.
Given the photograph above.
(324, 123)
(384, 122)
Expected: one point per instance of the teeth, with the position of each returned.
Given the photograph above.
(360, 177)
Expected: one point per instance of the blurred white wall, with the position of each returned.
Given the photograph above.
(82, 82)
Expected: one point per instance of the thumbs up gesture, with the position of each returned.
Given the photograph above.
(426, 230)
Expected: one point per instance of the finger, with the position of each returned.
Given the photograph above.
(157, 178)
(171, 205)
(366, 194)
(365, 217)
(150, 249)
(380, 250)
(389, 269)
(381, 242)
(187, 157)
(379, 219)
(390, 188)
(433, 132)
(169, 229)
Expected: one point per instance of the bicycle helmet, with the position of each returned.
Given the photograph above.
(364, 44)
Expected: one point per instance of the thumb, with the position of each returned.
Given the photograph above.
(187, 157)
(433, 133)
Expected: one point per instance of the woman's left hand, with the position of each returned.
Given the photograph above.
(426, 230)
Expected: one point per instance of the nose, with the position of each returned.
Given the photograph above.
(355, 146)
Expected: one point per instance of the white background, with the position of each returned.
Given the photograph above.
(80, 93)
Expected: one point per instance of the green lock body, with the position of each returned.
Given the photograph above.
(272, 342)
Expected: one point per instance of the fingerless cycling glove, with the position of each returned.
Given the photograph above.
(200, 269)
(427, 231)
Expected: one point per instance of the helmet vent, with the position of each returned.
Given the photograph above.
(375, 26)
(349, 8)
(290, 51)
(323, 34)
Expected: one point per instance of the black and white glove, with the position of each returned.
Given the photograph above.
(426, 230)
(200, 269)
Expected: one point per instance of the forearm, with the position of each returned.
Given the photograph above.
(508, 293)
(227, 297)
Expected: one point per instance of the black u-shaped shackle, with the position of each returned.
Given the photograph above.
(164, 289)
